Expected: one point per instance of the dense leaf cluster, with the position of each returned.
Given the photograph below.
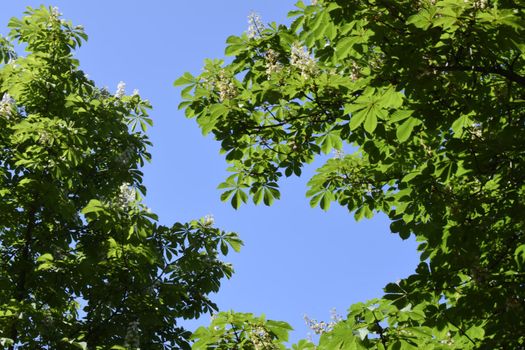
(429, 97)
(83, 263)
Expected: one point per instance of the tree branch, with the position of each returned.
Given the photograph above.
(509, 74)
(24, 261)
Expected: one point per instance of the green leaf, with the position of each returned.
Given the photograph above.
(362, 333)
(371, 122)
(325, 200)
(93, 205)
(238, 197)
(359, 213)
(45, 257)
(80, 345)
(226, 194)
(405, 129)
(185, 79)
(279, 328)
(423, 19)
(232, 50)
(460, 124)
(519, 257)
(330, 141)
(234, 241)
(268, 197)
(358, 118)
(400, 114)
(224, 248)
(258, 195)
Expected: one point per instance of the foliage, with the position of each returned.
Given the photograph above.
(230, 330)
(84, 264)
(429, 96)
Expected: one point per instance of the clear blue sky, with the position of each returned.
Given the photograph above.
(296, 260)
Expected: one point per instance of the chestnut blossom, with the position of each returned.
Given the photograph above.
(208, 220)
(261, 339)
(126, 196)
(354, 71)
(44, 138)
(227, 89)
(271, 63)
(320, 327)
(255, 25)
(6, 106)
(301, 59)
(55, 12)
(339, 154)
(121, 89)
(132, 339)
(481, 4)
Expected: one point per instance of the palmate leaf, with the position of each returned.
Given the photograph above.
(424, 19)
(267, 194)
(368, 109)
(235, 46)
(342, 337)
(238, 197)
(460, 124)
(330, 141)
(234, 241)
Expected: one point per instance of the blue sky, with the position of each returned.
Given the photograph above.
(296, 260)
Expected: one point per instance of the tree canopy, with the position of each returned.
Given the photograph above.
(84, 264)
(427, 98)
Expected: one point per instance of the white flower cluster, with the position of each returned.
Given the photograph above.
(208, 220)
(126, 196)
(313, 2)
(55, 12)
(425, 3)
(121, 89)
(354, 72)
(300, 58)
(271, 62)
(6, 106)
(476, 131)
(261, 339)
(255, 25)
(132, 340)
(227, 89)
(339, 154)
(44, 138)
(320, 327)
(479, 4)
